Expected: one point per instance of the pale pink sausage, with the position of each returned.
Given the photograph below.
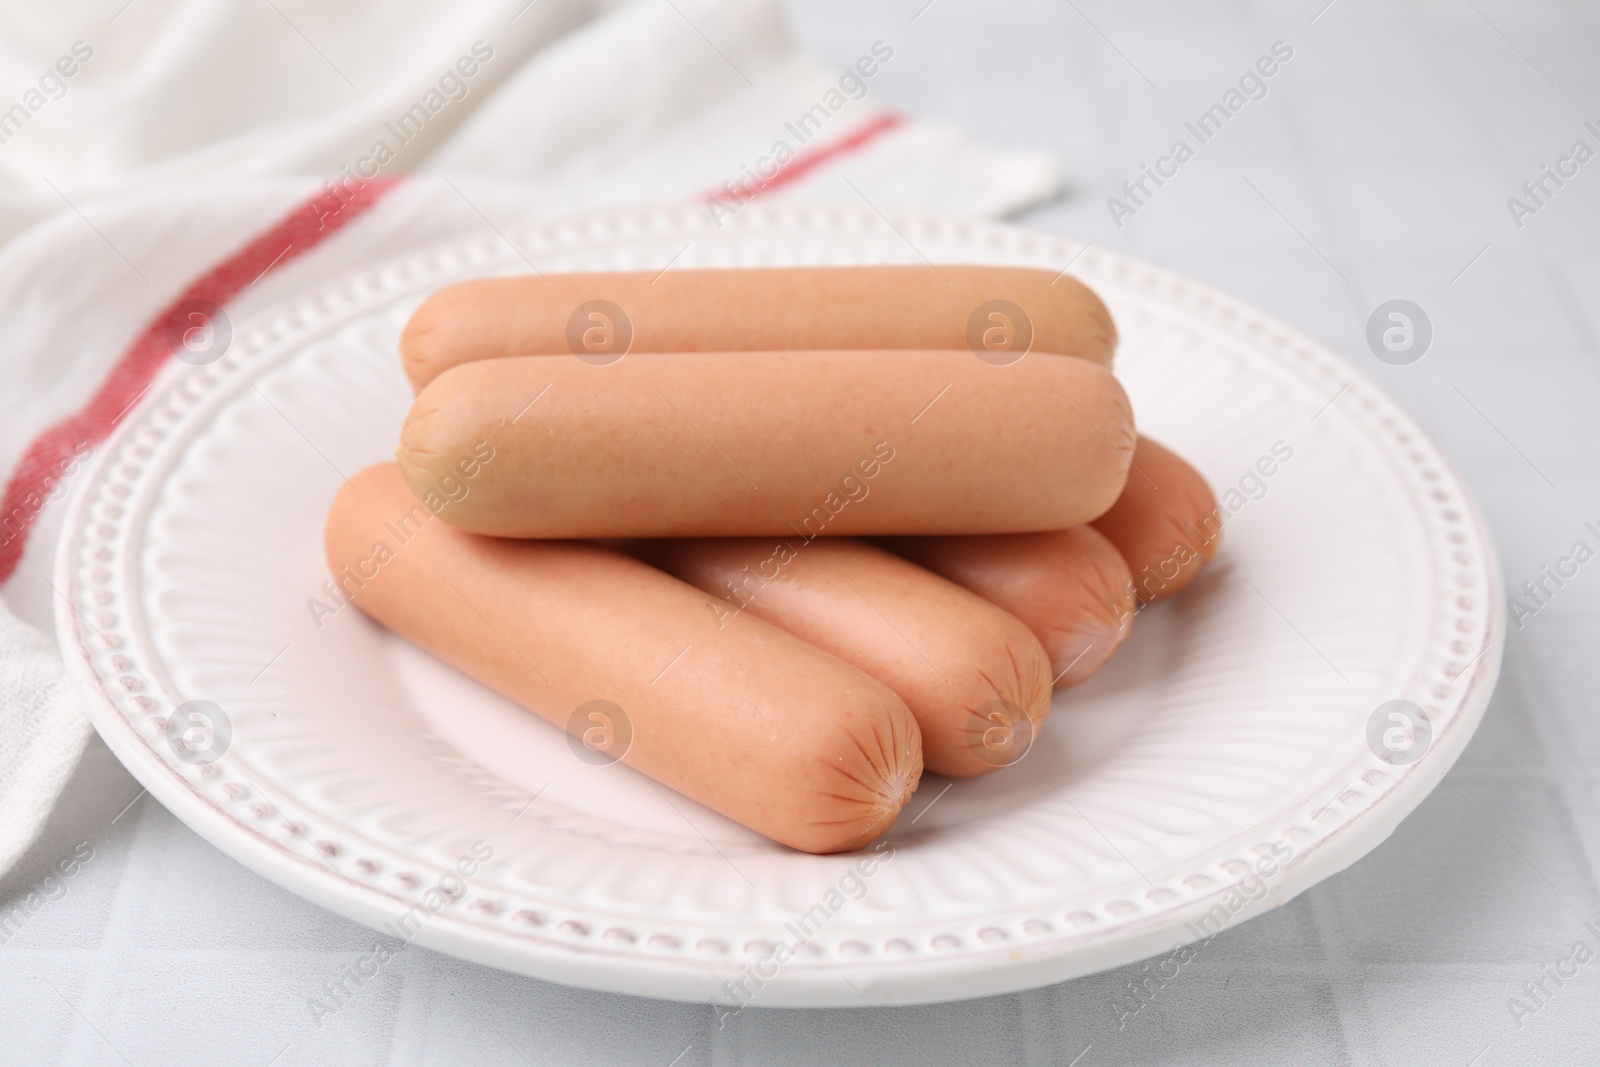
(1004, 312)
(974, 677)
(1070, 587)
(736, 713)
(830, 443)
(1166, 523)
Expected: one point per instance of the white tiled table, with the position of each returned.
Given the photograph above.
(1390, 142)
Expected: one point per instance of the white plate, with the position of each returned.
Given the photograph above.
(1234, 723)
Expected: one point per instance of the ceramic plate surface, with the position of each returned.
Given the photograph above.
(1240, 748)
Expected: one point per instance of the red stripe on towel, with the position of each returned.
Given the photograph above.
(805, 162)
(37, 474)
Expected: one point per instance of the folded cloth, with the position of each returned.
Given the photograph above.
(42, 731)
(239, 154)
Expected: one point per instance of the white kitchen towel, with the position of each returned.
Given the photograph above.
(238, 153)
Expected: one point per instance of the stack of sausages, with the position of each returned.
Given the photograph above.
(780, 539)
